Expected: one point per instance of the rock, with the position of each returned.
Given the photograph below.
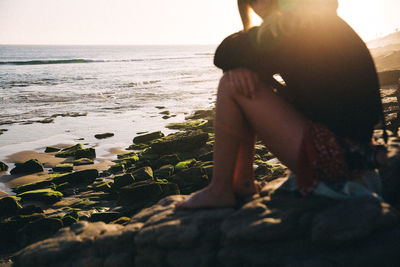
(9, 230)
(89, 153)
(184, 165)
(50, 149)
(147, 137)
(123, 180)
(165, 112)
(138, 147)
(103, 135)
(30, 166)
(30, 209)
(82, 161)
(77, 152)
(78, 177)
(179, 142)
(38, 230)
(34, 186)
(164, 172)
(48, 195)
(69, 151)
(143, 174)
(128, 155)
(84, 244)
(106, 217)
(146, 192)
(121, 220)
(65, 167)
(352, 220)
(3, 167)
(116, 168)
(9, 206)
(190, 180)
(68, 221)
(172, 159)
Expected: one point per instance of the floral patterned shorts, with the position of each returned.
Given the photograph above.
(321, 158)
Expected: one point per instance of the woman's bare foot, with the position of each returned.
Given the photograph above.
(207, 198)
(245, 189)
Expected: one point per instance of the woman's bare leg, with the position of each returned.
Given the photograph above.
(276, 122)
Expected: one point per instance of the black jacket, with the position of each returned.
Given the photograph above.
(329, 73)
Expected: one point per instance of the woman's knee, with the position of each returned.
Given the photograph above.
(225, 85)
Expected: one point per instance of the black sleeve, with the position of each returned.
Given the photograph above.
(237, 51)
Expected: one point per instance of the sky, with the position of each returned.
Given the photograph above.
(157, 21)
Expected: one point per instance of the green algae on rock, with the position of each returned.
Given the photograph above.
(123, 180)
(30, 166)
(82, 161)
(47, 195)
(65, 167)
(145, 138)
(179, 142)
(77, 152)
(144, 173)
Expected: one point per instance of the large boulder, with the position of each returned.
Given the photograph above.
(30, 166)
(47, 195)
(9, 206)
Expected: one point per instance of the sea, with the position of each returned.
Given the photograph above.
(66, 94)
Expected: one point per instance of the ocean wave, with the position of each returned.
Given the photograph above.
(81, 60)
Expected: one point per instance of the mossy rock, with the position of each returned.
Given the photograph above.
(145, 193)
(123, 180)
(3, 167)
(116, 168)
(202, 114)
(138, 146)
(208, 156)
(179, 142)
(144, 173)
(145, 138)
(121, 221)
(184, 165)
(82, 161)
(9, 228)
(34, 186)
(47, 195)
(69, 151)
(171, 159)
(9, 206)
(50, 149)
(39, 230)
(68, 221)
(79, 177)
(77, 152)
(65, 167)
(30, 209)
(30, 166)
(187, 125)
(164, 172)
(104, 186)
(103, 135)
(106, 217)
(85, 204)
(89, 153)
(127, 155)
(190, 180)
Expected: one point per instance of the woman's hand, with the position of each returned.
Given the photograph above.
(245, 81)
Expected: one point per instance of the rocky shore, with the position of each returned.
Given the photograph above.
(69, 210)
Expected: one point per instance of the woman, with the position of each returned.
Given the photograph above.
(327, 107)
